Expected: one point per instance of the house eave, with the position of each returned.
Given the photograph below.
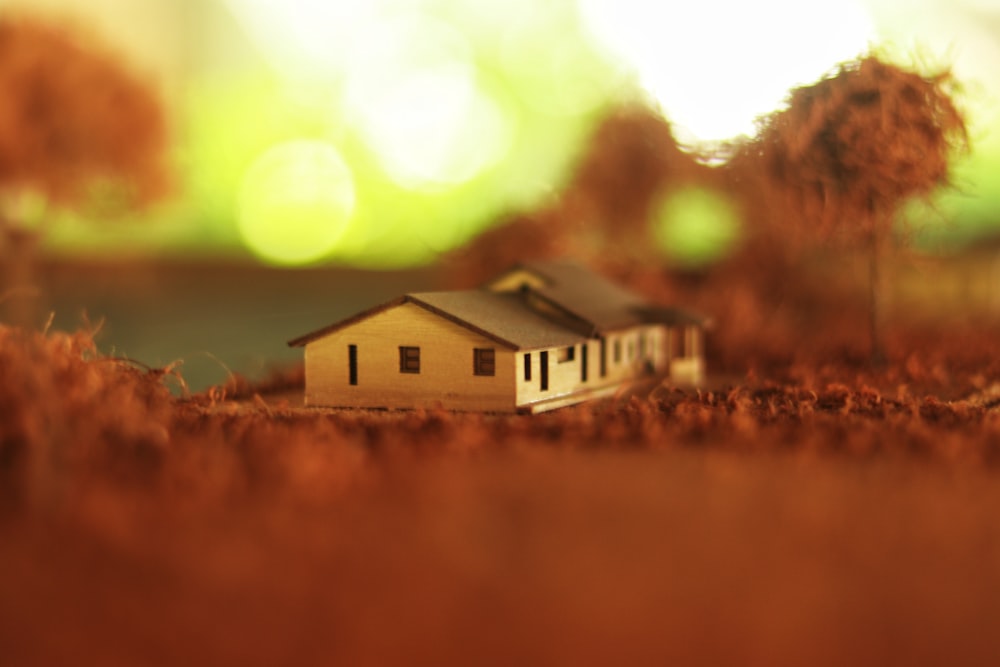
(398, 301)
(649, 314)
(340, 324)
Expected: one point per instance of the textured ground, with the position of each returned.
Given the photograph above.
(839, 515)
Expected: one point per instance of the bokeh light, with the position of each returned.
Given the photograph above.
(296, 201)
(552, 65)
(418, 105)
(456, 114)
(306, 39)
(695, 226)
(716, 65)
(449, 119)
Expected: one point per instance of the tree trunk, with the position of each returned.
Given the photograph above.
(19, 290)
(876, 299)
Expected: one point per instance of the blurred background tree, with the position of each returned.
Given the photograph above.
(280, 104)
(330, 134)
(78, 130)
(851, 150)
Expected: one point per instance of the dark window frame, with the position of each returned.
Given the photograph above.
(527, 366)
(352, 365)
(484, 361)
(544, 368)
(409, 359)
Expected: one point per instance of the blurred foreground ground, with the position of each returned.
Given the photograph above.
(806, 509)
(523, 556)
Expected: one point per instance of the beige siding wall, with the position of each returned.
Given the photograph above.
(563, 376)
(635, 348)
(446, 365)
(686, 357)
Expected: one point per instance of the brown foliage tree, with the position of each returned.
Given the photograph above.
(632, 158)
(850, 149)
(603, 213)
(76, 129)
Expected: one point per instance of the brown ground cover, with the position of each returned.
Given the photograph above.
(830, 514)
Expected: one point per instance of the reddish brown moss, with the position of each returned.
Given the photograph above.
(630, 528)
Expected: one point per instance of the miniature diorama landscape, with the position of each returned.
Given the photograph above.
(825, 492)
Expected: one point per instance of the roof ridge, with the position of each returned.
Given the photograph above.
(414, 298)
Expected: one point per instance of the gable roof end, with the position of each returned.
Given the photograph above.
(340, 324)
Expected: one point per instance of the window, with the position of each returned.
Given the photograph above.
(544, 364)
(567, 354)
(604, 357)
(409, 359)
(352, 364)
(618, 350)
(484, 361)
(527, 367)
(583, 363)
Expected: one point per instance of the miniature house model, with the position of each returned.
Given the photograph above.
(540, 336)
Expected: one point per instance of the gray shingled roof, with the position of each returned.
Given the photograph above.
(503, 317)
(587, 295)
(596, 306)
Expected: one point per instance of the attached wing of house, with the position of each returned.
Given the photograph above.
(540, 336)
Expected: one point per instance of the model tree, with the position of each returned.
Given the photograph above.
(604, 210)
(77, 130)
(632, 158)
(850, 150)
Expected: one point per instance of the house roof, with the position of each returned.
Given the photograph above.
(504, 318)
(603, 305)
(583, 305)
(672, 316)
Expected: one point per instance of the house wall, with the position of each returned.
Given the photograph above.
(637, 346)
(686, 358)
(446, 365)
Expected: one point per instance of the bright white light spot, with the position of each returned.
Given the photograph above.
(305, 38)
(989, 6)
(419, 106)
(933, 36)
(715, 65)
(552, 66)
(296, 201)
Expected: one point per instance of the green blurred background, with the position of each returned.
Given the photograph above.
(381, 134)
